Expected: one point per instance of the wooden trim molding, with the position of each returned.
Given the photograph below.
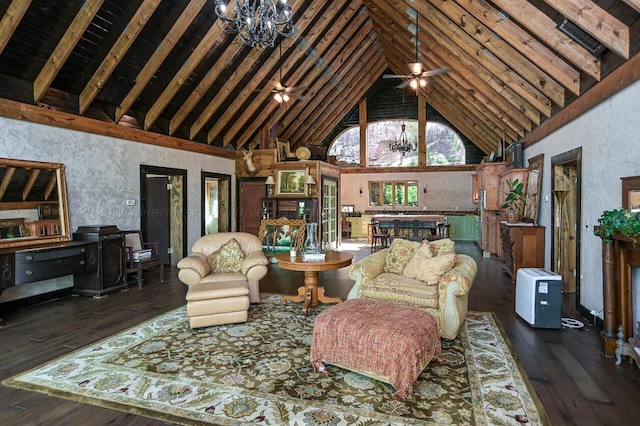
(49, 117)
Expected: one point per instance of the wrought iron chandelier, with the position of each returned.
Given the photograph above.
(257, 22)
(402, 145)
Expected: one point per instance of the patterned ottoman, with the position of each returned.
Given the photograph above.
(377, 339)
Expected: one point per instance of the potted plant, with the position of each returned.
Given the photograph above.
(514, 201)
(619, 221)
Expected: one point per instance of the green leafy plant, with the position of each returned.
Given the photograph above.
(515, 198)
(619, 221)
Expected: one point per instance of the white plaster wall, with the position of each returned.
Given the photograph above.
(103, 172)
(448, 191)
(609, 137)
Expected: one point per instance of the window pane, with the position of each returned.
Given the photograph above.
(444, 146)
(399, 187)
(412, 193)
(374, 193)
(387, 191)
(380, 134)
(346, 148)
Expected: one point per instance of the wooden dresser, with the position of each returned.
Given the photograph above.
(522, 247)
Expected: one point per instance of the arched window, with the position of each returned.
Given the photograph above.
(444, 146)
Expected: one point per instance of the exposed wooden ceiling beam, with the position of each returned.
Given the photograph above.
(524, 43)
(11, 19)
(6, 180)
(51, 185)
(633, 3)
(597, 22)
(64, 48)
(159, 55)
(33, 175)
(531, 18)
(198, 53)
(320, 37)
(117, 52)
(337, 57)
(304, 76)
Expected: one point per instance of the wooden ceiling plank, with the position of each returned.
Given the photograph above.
(11, 19)
(240, 72)
(6, 180)
(635, 4)
(474, 49)
(117, 52)
(460, 83)
(318, 132)
(545, 28)
(197, 55)
(469, 31)
(326, 89)
(270, 70)
(335, 57)
(524, 43)
(306, 73)
(469, 67)
(597, 22)
(64, 48)
(159, 55)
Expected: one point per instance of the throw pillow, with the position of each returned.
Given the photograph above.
(228, 258)
(399, 254)
(443, 246)
(429, 269)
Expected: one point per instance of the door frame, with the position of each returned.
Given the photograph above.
(335, 180)
(203, 187)
(573, 156)
(146, 170)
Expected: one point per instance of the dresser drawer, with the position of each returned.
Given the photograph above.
(34, 266)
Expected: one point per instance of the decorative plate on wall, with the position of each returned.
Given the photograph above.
(303, 153)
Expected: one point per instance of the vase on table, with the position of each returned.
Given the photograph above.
(311, 244)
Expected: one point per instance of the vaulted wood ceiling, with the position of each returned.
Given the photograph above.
(166, 66)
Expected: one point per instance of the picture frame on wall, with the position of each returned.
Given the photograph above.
(534, 186)
(291, 182)
(284, 150)
(631, 193)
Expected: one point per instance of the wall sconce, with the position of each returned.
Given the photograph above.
(310, 180)
(424, 190)
(361, 190)
(269, 183)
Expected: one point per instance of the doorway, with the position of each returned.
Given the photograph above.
(216, 203)
(163, 213)
(329, 213)
(565, 247)
(250, 193)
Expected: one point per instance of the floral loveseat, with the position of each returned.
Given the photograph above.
(427, 275)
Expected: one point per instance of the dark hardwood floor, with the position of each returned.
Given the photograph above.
(576, 384)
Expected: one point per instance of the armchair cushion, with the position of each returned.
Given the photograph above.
(400, 253)
(228, 258)
(427, 268)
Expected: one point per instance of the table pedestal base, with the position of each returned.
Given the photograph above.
(310, 293)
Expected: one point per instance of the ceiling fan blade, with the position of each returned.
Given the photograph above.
(416, 68)
(394, 76)
(403, 85)
(297, 96)
(278, 86)
(296, 89)
(438, 71)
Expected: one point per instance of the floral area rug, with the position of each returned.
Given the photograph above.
(259, 372)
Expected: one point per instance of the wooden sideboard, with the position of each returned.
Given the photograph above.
(522, 247)
(44, 262)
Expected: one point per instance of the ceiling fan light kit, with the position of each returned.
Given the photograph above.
(257, 22)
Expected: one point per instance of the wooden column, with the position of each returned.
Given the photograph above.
(363, 133)
(422, 130)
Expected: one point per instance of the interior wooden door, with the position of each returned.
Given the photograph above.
(251, 193)
(329, 214)
(158, 226)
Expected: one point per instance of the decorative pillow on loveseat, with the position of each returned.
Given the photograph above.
(426, 266)
(228, 258)
(399, 254)
(443, 246)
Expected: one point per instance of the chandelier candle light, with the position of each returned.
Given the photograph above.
(402, 145)
(257, 22)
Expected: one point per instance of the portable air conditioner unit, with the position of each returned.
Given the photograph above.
(539, 297)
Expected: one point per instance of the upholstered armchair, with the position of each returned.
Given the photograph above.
(196, 268)
(427, 275)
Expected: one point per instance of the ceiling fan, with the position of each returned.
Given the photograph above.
(417, 76)
(282, 93)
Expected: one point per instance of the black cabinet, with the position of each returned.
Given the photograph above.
(106, 271)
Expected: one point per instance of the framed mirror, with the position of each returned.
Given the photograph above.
(534, 185)
(33, 203)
